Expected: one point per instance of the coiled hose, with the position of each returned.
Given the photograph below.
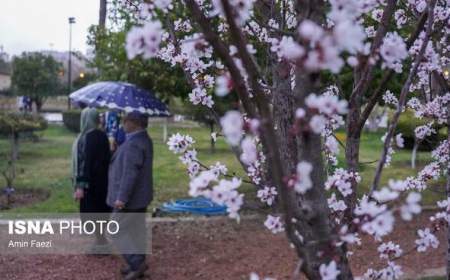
(198, 206)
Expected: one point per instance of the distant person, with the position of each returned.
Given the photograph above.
(130, 191)
(20, 103)
(114, 130)
(28, 104)
(90, 162)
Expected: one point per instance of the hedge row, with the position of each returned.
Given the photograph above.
(408, 123)
(71, 120)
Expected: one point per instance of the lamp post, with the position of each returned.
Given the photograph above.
(69, 72)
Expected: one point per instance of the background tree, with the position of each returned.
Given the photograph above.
(36, 75)
(11, 126)
(110, 58)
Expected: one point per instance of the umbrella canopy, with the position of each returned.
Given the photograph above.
(120, 96)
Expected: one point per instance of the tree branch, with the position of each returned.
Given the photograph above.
(388, 75)
(367, 73)
(222, 51)
(403, 94)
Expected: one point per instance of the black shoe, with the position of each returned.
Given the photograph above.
(136, 274)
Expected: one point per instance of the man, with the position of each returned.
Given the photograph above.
(130, 191)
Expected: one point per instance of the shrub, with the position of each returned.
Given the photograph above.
(11, 123)
(408, 123)
(71, 120)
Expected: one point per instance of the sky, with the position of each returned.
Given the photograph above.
(34, 25)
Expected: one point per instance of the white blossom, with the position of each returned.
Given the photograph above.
(389, 249)
(336, 205)
(393, 51)
(390, 98)
(249, 152)
(289, 49)
(267, 195)
(329, 272)
(243, 9)
(180, 143)
(342, 180)
(303, 182)
(426, 240)
(411, 206)
(232, 127)
(274, 224)
(144, 40)
(385, 195)
(399, 141)
(223, 85)
(199, 96)
(318, 124)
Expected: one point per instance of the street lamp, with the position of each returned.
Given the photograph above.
(69, 72)
(447, 73)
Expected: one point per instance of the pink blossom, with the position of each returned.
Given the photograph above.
(232, 127)
(274, 224)
(393, 51)
(329, 271)
(303, 182)
(144, 40)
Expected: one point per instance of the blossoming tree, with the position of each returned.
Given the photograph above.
(284, 60)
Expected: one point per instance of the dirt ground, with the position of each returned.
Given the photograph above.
(22, 197)
(219, 249)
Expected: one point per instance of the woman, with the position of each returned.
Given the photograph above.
(90, 162)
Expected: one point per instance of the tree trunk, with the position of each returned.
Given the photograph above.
(440, 87)
(448, 193)
(414, 153)
(312, 211)
(352, 154)
(39, 102)
(213, 143)
(14, 146)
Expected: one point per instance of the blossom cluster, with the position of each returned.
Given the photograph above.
(205, 181)
(267, 195)
(320, 49)
(342, 180)
(393, 51)
(324, 113)
(144, 40)
(243, 9)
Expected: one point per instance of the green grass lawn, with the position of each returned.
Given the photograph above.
(46, 165)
